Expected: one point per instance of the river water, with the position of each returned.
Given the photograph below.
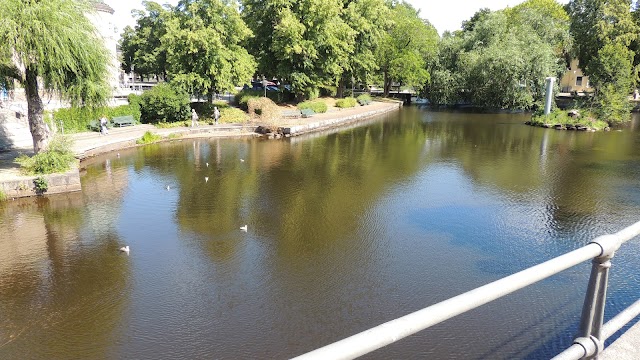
(346, 230)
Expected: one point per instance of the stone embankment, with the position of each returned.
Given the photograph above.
(14, 184)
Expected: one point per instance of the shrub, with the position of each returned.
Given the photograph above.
(164, 103)
(363, 98)
(561, 117)
(3, 196)
(77, 119)
(242, 98)
(232, 115)
(57, 158)
(41, 184)
(317, 106)
(172, 125)
(346, 103)
(148, 138)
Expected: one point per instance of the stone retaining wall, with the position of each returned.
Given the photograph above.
(345, 120)
(57, 183)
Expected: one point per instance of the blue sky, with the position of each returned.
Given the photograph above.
(443, 14)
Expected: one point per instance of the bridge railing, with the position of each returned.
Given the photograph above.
(592, 332)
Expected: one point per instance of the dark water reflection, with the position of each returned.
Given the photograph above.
(347, 230)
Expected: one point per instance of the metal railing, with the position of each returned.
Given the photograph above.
(592, 333)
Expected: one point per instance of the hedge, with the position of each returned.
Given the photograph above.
(164, 103)
(77, 119)
(317, 106)
(346, 103)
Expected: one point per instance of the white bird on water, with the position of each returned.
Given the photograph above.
(168, 188)
(207, 164)
(241, 160)
(206, 179)
(118, 155)
(243, 228)
(125, 249)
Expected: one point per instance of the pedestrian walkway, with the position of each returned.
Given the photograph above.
(626, 347)
(87, 144)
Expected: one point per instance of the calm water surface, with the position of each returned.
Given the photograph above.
(347, 230)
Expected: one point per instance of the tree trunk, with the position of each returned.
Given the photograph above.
(340, 90)
(387, 84)
(35, 109)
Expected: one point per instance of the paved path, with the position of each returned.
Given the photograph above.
(626, 347)
(88, 144)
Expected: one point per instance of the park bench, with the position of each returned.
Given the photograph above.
(291, 113)
(121, 121)
(307, 113)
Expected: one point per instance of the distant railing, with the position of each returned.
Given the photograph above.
(591, 335)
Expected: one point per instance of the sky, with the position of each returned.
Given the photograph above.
(443, 14)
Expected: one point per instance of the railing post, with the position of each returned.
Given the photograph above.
(596, 296)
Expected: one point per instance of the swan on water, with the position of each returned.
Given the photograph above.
(243, 228)
(207, 164)
(241, 160)
(168, 188)
(206, 179)
(125, 249)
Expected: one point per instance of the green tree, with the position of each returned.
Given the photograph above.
(368, 19)
(604, 30)
(501, 60)
(304, 42)
(52, 45)
(142, 46)
(406, 48)
(204, 47)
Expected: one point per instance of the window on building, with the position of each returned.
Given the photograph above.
(579, 81)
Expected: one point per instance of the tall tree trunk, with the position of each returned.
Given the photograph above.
(387, 84)
(340, 90)
(35, 109)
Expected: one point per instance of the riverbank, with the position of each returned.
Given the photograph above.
(14, 184)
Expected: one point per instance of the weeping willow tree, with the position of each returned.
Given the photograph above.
(53, 46)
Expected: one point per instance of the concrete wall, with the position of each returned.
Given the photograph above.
(14, 130)
(57, 183)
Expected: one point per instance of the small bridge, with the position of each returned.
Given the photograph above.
(592, 332)
(405, 96)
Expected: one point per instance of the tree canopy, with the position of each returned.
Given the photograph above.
(204, 48)
(501, 59)
(142, 46)
(604, 31)
(406, 47)
(52, 44)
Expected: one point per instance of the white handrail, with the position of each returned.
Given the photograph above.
(394, 330)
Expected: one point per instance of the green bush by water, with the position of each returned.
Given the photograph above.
(77, 119)
(41, 184)
(231, 115)
(148, 138)
(3, 196)
(346, 103)
(164, 103)
(561, 117)
(56, 159)
(363, 98)
(318, 106)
